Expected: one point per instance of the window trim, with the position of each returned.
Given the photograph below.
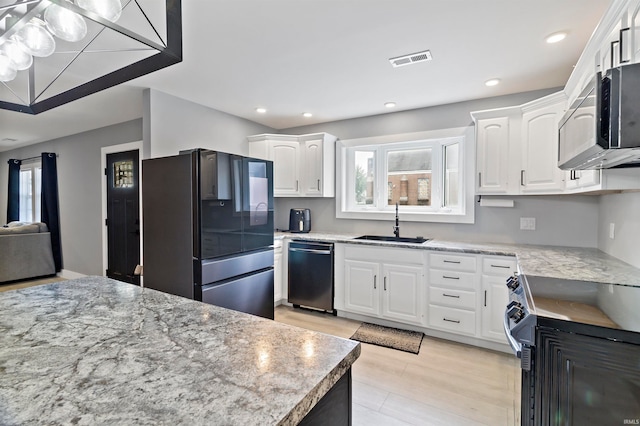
(466, 169)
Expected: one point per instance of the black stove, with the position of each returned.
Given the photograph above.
(579, 346)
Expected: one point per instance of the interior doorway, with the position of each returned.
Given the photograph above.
(122, 224)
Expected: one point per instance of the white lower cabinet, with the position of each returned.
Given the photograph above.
(277, 271)
(388, 284)
(459, 321)
(455, 294)
(453, 287)
(361, 287)
(495, 271)
(401, 288)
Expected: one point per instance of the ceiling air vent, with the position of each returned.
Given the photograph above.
(413, 58)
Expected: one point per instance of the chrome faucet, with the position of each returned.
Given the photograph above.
(396, 229)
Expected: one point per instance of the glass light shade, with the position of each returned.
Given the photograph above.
(21, 58)
(36, 40)
(8, 69)
(65, 24)
(108, 9)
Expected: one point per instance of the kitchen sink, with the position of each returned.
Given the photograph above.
(415, 240)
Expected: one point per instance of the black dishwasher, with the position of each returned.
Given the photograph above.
(311, 274)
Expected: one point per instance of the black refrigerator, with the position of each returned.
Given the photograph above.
(208, 229)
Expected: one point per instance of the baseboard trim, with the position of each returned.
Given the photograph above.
(70, 275)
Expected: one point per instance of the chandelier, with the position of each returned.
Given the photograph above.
(56, 51)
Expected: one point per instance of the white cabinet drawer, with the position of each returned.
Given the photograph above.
(453, 262)
(453, 298)
(503, 266)
(456, 279)
(452, 319)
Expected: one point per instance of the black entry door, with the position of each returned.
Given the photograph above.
(123, 216)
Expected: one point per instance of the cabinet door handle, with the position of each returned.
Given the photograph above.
(318, 184)
(385, 283)
(450, 278)
(479, 179)
(485, 298)
(448, 320)
(375, 279)
(500, 266)
(297, 188)
(521, 177)
(451, 261)
(451, 295)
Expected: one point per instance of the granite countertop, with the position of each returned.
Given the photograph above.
(97, 351)
(567, 263)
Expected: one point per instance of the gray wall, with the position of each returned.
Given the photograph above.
(169, 124)
(560, 220)
(173, 124)
(79, 186)
(417, 120)
(624, 211)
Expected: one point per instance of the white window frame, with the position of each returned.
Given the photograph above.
(346, 209)
(31, 166)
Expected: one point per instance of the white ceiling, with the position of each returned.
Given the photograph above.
(330, 58)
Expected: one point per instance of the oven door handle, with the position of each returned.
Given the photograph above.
(515, 346)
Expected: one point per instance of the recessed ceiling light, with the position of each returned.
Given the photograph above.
(390, 104)
(492, 82)
(307, 114)
(556, 37)
(261, 110)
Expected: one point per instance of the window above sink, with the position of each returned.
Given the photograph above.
(430, 174)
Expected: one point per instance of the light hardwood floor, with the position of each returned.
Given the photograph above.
(447, 383)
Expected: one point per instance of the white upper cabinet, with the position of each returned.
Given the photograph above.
(492, 161)
(303, 166)
(539, 171)
(286, 167)
(517, 148)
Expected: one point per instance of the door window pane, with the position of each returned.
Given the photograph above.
(365, 177)
(123, 174)
(409, 177)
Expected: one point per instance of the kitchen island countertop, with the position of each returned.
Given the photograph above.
(565, 263)
(98, 351)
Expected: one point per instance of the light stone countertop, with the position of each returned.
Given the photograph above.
(566, 263)
(98, 351)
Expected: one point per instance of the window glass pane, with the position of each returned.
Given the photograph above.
(37, 190)
(451, 176)
(26, 196)
(409, 177)
(364, 177)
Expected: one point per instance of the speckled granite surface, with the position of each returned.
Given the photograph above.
(97, 351)
(572, 263)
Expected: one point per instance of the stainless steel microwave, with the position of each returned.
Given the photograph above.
(601, 128)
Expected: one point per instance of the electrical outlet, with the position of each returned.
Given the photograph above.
(528, 223)
(612, 230)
